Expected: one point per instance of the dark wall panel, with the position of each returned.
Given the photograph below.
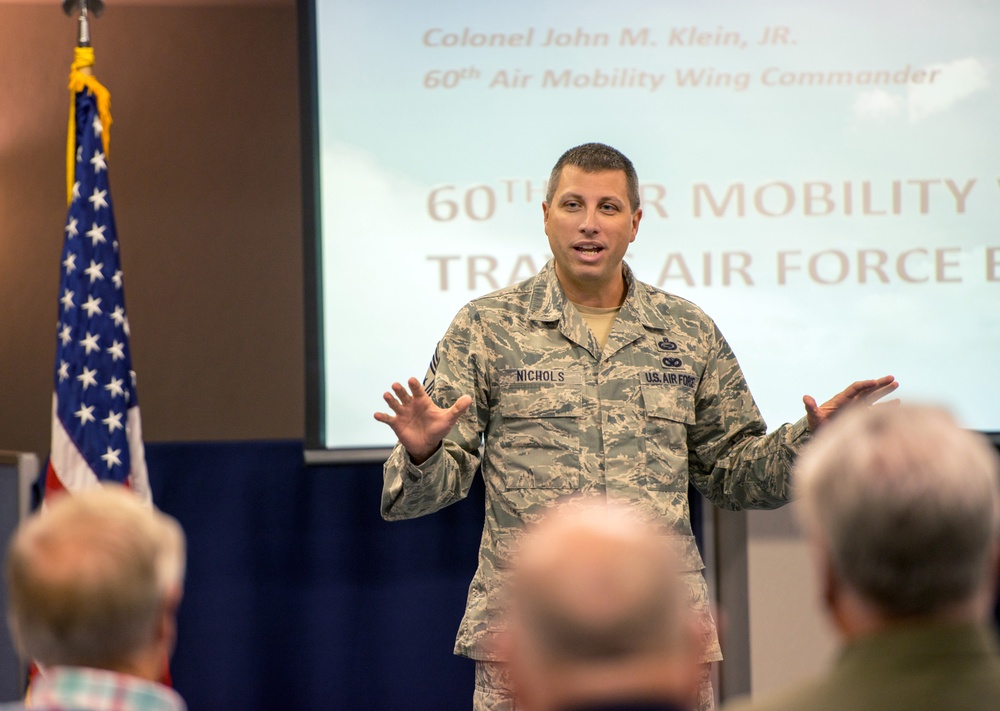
(205, 175)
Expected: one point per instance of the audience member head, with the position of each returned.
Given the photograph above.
(904, 509)
(95, 581)
(596, 158)
(596, 614)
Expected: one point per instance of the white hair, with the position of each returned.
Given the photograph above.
(88, 578)
(907, 505)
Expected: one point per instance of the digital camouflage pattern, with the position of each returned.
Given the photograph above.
(494, 690)
(665, 402)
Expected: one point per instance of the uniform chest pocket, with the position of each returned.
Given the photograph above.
(669, 412)
(539, 444)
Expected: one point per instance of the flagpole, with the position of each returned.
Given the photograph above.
(85, 7)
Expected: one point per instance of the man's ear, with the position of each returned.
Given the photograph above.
(994, 571)
(166, 624)
(832, 590)
(636, 216)
(829, 585)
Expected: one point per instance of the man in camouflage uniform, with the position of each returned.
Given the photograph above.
(583, 380)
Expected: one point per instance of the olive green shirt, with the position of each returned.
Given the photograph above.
(916, 667)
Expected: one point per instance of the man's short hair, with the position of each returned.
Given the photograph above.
(907, 505)
(88, 577)
(595, 158)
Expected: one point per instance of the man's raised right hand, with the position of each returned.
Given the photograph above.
(419, 424)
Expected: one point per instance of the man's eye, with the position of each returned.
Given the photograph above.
(572, 204)
(608, 207)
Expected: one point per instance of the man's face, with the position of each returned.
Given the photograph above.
(590, 226)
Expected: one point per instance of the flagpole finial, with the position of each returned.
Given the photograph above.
(85, 7)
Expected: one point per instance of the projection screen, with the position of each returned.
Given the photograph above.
(821, 177)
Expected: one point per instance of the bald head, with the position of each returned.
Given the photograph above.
(596, 614)
(593, 584)
(91, 578)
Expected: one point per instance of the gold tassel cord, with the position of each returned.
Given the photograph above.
(80, 80)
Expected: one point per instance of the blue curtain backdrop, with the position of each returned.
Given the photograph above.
(299, 596)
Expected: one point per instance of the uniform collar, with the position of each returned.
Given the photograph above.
(549, 302)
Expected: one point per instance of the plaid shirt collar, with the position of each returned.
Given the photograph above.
(100, 690)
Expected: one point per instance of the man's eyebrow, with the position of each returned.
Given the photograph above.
(580, 198)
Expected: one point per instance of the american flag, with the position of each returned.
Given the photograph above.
(96, 432)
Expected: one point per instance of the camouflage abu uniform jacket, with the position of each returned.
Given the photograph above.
(665, 402)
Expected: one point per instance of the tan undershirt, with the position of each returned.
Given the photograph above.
(599, 320)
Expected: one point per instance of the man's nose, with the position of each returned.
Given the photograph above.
(589, 223)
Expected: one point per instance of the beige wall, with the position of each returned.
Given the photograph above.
(790, 638)
(205, 174)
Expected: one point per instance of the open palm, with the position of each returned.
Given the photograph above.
(419, 424)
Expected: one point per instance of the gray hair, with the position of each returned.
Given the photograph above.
(595, 158)
(906, 503)
(88, 577)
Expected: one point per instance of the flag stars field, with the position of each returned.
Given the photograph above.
(93, 365)
(86, 414)
(96, 234)
(97, 198)
(92, 306)
(113, 421)
(116, 351)
(89, 343)
(87, 378)
(111, 457)
(98, 162)
(94, 270)
(115, 388)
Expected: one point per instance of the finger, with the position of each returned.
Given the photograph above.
(392, 402)
(873, 394)
(810, 402)
(404, 397)
(879, 393)
(416, 387)
(865, 386)
(460, 406)
(385, 418)
(858, 389)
